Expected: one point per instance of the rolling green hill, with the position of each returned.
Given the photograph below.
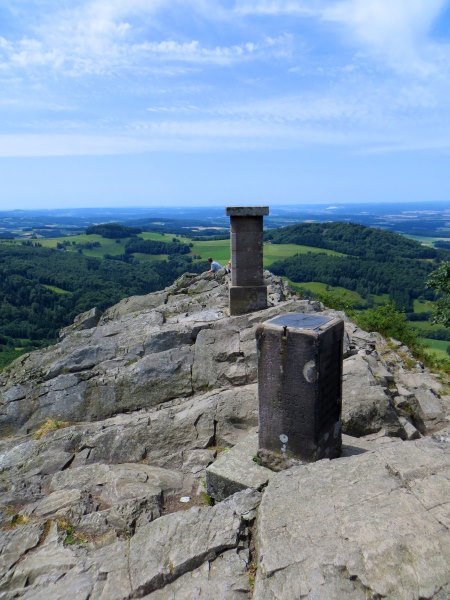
(376, 262)
(352, 239)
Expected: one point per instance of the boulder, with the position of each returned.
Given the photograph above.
(366, 407)
(86, 320)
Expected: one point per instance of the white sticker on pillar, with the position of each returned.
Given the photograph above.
(310, 371)
(284, 440)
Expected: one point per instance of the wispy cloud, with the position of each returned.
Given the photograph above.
(103, 36)
(41, 145)
(170, 136)
(280, 94)
(220, 55)
(395, 31)
(74, 60)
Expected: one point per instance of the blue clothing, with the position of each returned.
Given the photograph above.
(215, 266)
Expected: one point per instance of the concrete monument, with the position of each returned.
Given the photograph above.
(299, 388)
(247, 291)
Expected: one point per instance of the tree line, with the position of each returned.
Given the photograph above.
(113, 230)
(154, 247)
(353, 239)
(376, 261)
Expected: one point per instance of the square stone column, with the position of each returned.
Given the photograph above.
(299, 388)
(247, 291)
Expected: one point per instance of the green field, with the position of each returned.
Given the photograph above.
(427, 240)
(55, 289)
(421, 307)
(273, 252)
(347, 296)
(150, 257)
(157, 237)
(380, 299)
(437, 347)
(110, 246)
(161, 237)
(421, 325)
(81, 238)
(218, 249)
(107, 246)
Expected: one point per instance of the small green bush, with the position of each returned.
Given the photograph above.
(390, 322)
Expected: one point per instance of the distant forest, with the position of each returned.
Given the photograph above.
(376, 262)
(113, 230)
(42, 290)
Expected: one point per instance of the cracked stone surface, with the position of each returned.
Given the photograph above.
(140, 354)
(225, 578)
(184, 551)
(181, 542)
(147, 396)
(375, 525)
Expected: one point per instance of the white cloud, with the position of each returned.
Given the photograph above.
(194, 52)
(39, 145)
(99, 58)
(105, 36)
(347, 101)
(396, 30)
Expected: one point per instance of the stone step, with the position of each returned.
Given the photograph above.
(235, 469)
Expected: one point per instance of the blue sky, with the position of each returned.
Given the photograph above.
(172, 102)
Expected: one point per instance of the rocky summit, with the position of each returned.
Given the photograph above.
(106, 438)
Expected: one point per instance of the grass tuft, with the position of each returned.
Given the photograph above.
(71, 536)
(49, 426)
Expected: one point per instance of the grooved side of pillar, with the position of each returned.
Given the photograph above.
(247, 251)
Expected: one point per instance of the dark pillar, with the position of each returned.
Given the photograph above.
(299, 388)
(247, 291)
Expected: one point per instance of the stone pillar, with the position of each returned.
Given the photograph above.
(299, 388)
(247, 290)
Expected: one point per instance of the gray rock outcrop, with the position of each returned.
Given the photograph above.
(374, 525)
(106, 437)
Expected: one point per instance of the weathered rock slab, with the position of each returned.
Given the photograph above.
(225, 578)
(374, 525)
(173, 545)
(366, 407)
(235, 470)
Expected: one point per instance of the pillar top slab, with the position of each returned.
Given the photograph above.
(247, 211)
(302, 321)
